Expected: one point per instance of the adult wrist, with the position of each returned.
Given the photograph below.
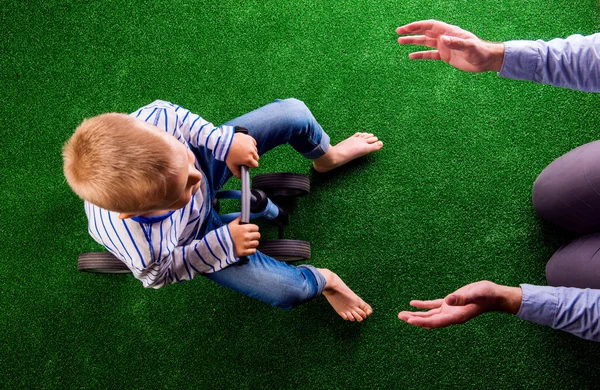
(496, 52)
(509, 299)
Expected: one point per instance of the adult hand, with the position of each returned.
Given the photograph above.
(463, 305)
(242, 152)
(245, 237)
(453, 45)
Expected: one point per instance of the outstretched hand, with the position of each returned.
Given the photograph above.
(453, 45)
(463, 305)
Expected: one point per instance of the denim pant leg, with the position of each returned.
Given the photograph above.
(278, 123)
(268, 280)
(576, 264)
(262, 277)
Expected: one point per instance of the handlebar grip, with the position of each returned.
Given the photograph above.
(245, 195)
(245, 184)
(240, 129)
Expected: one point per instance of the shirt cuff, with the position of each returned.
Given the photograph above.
(224, 235)
(221, 148)
(521, 59)
(539, 304)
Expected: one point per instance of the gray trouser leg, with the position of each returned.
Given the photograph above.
(576, 264)
(567, 194)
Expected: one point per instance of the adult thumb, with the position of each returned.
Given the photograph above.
(456, 300)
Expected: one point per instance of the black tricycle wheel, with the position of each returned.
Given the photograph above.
(282, 184)
(101, 263)
(285, 250)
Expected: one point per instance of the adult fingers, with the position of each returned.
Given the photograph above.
(424, 314)
(418, 40)
(404, 315)
(422, 26)
(438, 321)
(433, 304)
(425, 55)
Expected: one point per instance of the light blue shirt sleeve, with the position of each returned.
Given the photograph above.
(573, 310)
(569, 63)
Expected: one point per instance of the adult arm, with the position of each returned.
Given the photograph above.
(576, 311)
(570, 63)
(572, 310)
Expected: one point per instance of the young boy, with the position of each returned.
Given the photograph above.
(148, 180)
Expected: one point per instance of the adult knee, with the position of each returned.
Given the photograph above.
(546, 192)
(566, 193)
(576, 264)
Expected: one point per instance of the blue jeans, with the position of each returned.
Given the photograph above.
(262, 277)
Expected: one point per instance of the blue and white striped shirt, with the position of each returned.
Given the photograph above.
(166, 249)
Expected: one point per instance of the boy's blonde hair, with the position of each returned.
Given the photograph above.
(116, 163)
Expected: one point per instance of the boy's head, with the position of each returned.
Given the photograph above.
(122, 164)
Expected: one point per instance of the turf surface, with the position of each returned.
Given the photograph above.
(445, 203)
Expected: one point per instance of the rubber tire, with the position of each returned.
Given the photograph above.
(101, 263)
(285, 250)
(282, 184)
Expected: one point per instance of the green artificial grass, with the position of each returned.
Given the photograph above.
(445, 203)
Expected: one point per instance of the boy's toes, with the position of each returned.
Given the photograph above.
(372, 139)
(375, 146)
(361, 314)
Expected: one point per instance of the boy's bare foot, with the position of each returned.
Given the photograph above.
(345, 302)
(353, 147)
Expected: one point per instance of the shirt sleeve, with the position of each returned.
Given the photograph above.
(189, 127)
(572, 63)
(211, 253)
(153, 252)
(572, 310)
(167, 261)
